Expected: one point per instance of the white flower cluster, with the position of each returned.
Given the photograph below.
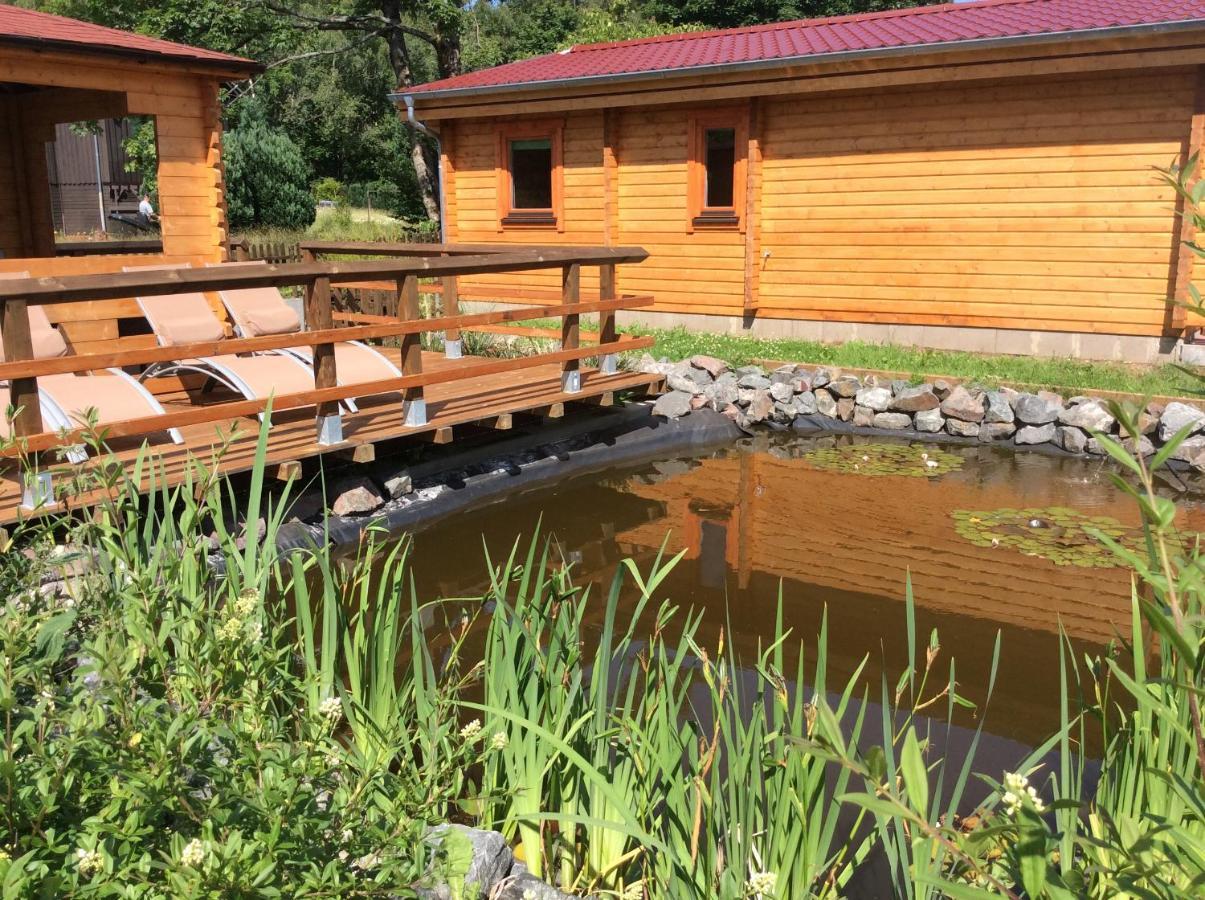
(499, 741)
(471, 732)
(761, 884)
(240, 621)
(193, 854)
(89, 862)
(1017, 790)
(331, 709)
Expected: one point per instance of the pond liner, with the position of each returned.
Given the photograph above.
(628, 435)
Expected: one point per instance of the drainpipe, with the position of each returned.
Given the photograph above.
(100, 187)
(452, 349)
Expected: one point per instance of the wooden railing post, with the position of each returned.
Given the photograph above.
(23, 395)
(571, 291)
(608, 363)
(318, 317)
(451, 307)
(412, 349)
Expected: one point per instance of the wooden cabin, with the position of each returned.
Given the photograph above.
(976, 175)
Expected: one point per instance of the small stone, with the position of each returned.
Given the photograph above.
(1144, 447)
(962, 404)
(1033, 409)
(1072, 439)
(754, 381)
(490, 865)
(782, 391)
(899, 385)
(962, 428)
(1147, 423)
(914, 399)
(673, 405)
(1036, 434)
(845, 409)
(750, 370)
(800, 383)
(999, 408)
(863, 416)
(721, 393)
(761, 407)
(996, 431)
(1094, 447)
(1177, 415)
(709, 364)
(783, 412)
(821, 377)
(825, 404)
(676, 381)
(892, 420)
(930, 421)
(942, 388)
(783, 375)
(698, 401)
(805, 403)
(1192, 451)
(1089, 415)
(875, 398)
(399, 485)
(356, 497)
(845, 386)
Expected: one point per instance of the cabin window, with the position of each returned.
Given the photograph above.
(529, 170)
(717, 170)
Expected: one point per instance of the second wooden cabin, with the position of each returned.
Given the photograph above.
(978, 176)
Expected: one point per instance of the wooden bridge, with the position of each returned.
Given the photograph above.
(434, 396)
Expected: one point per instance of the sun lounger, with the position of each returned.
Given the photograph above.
(66, 398)
(187, 317)
(260, 311)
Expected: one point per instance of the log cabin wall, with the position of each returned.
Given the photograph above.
(1020, 203)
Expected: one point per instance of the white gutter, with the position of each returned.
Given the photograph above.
(784, 61)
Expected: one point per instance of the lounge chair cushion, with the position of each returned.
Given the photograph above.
(261, 311)
(183, 318)
(47, 342)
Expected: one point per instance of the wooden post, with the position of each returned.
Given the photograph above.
(318, 317)
(412, 350)
(18, 345)
(571, 282)
(608, 364)
(451, 307)
(753, 208)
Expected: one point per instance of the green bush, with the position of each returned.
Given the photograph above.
(331, 189)
(267, 182)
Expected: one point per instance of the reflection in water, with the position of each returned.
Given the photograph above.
(762, 518)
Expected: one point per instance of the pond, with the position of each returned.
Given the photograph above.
(993, 542)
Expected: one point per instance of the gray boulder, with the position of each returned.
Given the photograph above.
(1035, 410)
(929, 421)
(1143, 447)
(782, 391)
(874, 398)
(677, 381)
(399, 485)
(893, 420)
(821, 377)
(1089, 415)
(1192, 451)
(356, 497)
(1036, 434)
(942, 388)
(1072, 439)
(1177, 415)
(996, 431)
(963, 405)
(999, 408)
(825, 404)
(673, 405)
(753, 381)
(847, 386)
(914, 399)
(962, 428)
(845, 409)
(709, 364)
(721, 393)
(805, 403)
(761, 407)
(863, 416)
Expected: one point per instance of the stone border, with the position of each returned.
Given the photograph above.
(818, 399)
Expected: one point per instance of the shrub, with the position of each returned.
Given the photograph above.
(331, 189)
(267, 182)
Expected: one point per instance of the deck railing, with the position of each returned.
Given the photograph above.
(403, 267)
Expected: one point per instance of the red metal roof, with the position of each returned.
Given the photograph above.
(923, 26)
(18, 25)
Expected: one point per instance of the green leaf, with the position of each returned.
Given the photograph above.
(916, 776)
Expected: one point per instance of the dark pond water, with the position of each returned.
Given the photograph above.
(992, 541)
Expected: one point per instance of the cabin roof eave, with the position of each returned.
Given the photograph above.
(226, 69)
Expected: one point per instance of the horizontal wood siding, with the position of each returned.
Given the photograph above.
(475, 208)
(1030, 204)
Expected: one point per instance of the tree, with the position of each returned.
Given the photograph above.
(267, 181)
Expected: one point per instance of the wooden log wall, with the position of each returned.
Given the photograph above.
(1028, 203)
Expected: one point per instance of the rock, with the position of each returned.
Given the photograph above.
(492, 862)
(761, 407)
(874, 398)
(1177, 415)
(800, 384)
(1094, 447)
(749, 370)
(305, 507)
(942, 388)
(930, 421)
(1036, 434)
(1033, 409)
(893, 420)
(845, 386)
(914, 399)
(721, 393)
(522, 885)
(820, 378)
(753, 381)
(1144, 447)
(1071, 439)
(1089, 415)
(676, 381)
(709, 364)
(825, 404)
(399, 484)
(999, 408)
(782, 391)
(962, 404)
(673, 405)
(805, 403)
(899, 385)
(863, 416)
(733, 412)
(356, 497)
(783, 375)
(1192, 451)
(784, 411)
(845, 409)
(1148, 422)
(996, 431)
(698, 401)
(962, 428)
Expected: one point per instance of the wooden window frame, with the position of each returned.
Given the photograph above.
(531, 219)
(698, 215)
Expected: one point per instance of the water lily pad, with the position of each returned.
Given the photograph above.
(885, 459)
(1057, 533)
